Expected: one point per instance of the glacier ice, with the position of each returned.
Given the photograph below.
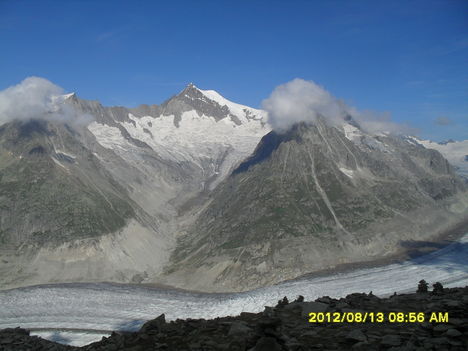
(91, 307)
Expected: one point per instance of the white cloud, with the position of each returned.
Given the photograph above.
(303, 101)
(37, 98)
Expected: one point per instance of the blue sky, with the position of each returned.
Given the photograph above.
(408, 58)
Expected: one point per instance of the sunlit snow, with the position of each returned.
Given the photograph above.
(351, 132)
(236, 109)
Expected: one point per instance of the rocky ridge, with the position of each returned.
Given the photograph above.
(286, 327)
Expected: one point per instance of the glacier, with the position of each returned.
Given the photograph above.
(80, 313)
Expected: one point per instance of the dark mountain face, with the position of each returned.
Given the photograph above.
(312, 198)
(46, 192)
(29, 128)
(266, 147)
(192, 98)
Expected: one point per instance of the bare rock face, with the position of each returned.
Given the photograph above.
(52, 189)
(286, 327)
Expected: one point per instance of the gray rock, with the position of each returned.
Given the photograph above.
(341, 305)
(440, 341)
(457, 321)
(440, 328)
(453, 303)
(266, 344)
(456, 342)
(239, 328)
(308, 307)
(154, 325)
(362, 346)
(426, 325)
(356, 335)
(324, 299)
(453, 333)
(391, 340)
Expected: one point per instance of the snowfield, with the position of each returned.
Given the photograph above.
(92, 309)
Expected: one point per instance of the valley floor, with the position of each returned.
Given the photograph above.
(89, 308)
(442, 324)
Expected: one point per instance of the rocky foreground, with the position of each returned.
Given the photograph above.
(287, 327)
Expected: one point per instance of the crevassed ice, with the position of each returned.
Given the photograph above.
(127, 307)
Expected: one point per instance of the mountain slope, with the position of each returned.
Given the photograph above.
(314, 197)
(103, 201)
(47, 189)
(456, 152)
(63, 216)
(113, 199)
(196, 140)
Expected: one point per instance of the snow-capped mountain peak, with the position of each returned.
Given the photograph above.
(236, 109)
(197, 127)
(211, 103)
(69, 96)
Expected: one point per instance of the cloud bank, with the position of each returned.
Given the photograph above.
(37, 98)
(304, 101)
